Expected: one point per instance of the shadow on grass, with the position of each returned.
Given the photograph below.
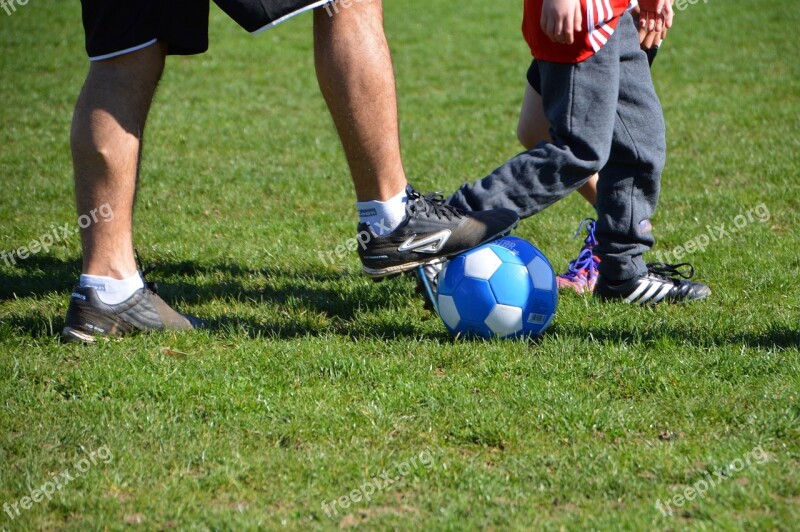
(39, 275)
(338, 301)
(775, 336)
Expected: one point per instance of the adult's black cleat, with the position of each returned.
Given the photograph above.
(431, 231)
(662, 283)
(89, 318)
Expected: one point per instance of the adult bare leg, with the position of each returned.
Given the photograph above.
(107, 130)
(106, 139)
(356, 76)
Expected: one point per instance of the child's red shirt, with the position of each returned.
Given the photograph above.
(600, 19)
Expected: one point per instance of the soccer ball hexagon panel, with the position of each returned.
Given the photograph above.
(506, 288)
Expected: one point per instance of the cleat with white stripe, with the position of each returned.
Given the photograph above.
(663, 283)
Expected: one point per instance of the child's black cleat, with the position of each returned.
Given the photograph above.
(660, 284)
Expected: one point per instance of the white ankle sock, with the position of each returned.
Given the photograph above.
(112, 291)
(383, 217)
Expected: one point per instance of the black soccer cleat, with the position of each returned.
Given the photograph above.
(89, 318)
(661, 284)
(431, 231)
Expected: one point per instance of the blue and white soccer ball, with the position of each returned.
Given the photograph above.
(506, 288)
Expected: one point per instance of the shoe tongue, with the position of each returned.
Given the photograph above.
(412, 195)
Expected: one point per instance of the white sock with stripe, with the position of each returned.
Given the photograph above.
(112, 291)
(383, 217)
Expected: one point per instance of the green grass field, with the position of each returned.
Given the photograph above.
(314, 380)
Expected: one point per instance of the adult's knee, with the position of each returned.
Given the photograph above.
(115, 100)
(128, 80)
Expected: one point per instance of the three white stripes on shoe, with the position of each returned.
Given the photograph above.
(649, 291)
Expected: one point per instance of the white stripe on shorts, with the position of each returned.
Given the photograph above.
(315, 5)
(125, 51)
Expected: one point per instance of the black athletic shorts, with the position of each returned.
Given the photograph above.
(117, 27)
(535, 78)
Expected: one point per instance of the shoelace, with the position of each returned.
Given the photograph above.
(590, 224)
(585, 261)
(150, 285)
(433, 203)
(670, 271)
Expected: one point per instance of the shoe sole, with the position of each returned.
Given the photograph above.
(393, 271)
(569, 286)
(577, 289)
(396, 271)
(684, 301)
(74, 336)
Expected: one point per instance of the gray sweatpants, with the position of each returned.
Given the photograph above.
(605, 118)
